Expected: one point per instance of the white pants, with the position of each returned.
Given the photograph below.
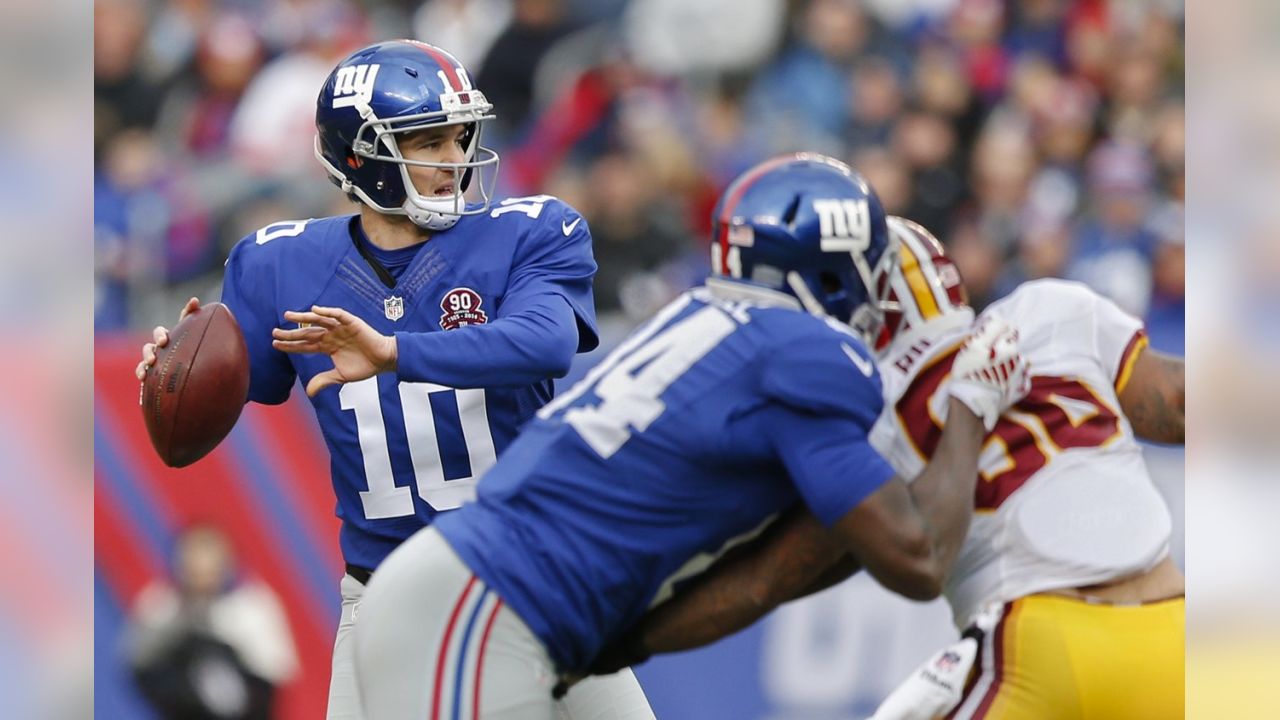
(344, 701)
(434, 642)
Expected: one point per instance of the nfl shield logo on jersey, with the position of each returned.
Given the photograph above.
(394, 307)
(461, 307)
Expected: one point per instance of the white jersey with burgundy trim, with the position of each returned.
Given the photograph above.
(1063, 498)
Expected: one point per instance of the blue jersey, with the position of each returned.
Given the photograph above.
(484, 316)
(690, 437)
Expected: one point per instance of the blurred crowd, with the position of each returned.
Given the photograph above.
(1034, 137)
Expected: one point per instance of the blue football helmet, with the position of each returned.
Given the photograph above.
(811, 227)
(386, 90)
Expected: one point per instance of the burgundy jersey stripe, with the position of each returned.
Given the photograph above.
(997, 647)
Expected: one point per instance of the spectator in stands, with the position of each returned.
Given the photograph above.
(199, 107)
(1167, 315)
(209, 644)
(635, 233)
(467, 27)
(508, 69)
(272, 130)
(123, 96)
(1114, 246)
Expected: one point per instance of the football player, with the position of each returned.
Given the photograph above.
(477, 306)
(740, 399)
(1065, 586)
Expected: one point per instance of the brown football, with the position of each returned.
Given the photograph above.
(194, 393)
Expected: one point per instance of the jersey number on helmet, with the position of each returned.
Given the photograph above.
(384, 499)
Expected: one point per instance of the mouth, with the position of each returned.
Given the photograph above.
(444, 191)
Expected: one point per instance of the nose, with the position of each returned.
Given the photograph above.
(453, 154)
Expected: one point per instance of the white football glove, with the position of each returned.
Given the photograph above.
(936, 687)
(990, 374)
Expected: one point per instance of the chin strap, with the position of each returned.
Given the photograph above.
(429, 219)
(810, 303)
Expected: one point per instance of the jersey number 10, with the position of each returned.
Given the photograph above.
(384, 499)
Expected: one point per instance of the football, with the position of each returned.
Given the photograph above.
(194, 393)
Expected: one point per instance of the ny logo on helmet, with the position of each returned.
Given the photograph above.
(354, 85)
(845, 225)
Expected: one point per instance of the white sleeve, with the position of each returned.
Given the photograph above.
(1118, 337)
(1065, 319)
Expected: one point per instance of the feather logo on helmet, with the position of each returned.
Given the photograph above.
(353, 85)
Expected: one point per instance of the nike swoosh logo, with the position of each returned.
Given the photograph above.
(862, 363)
(568, 227)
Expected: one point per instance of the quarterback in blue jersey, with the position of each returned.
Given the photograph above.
(739, 401)
(475, 306)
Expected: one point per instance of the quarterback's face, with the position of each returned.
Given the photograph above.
(435, 145)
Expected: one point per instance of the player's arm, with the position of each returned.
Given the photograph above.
(1150, 385)
(546, 315)
(791, 558)
(246, 283)
(907, 537)
(534, 342)
(797, 556)
(906, 541)
(1154, 397)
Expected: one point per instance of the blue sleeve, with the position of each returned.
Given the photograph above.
(823, 371)
(247, 288)
(826, 397)
(546, 315)
(830, 460)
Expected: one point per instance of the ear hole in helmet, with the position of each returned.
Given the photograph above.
(830, 283)
(468, 132)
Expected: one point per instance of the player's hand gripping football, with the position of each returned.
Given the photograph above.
(357, 350)
(159, 339)
(990, 374)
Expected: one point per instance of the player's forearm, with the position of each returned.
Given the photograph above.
(520, 349)
(794, 557)
(1155, 398)
(943, 492)
(711, 612)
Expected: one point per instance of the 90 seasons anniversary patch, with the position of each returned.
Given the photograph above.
(461, 307)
